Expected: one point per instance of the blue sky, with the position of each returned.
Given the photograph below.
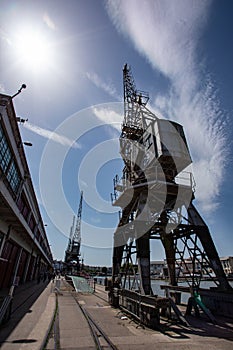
(180, 51)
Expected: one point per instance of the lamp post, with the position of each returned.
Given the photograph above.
(23, 86)
(26, 143)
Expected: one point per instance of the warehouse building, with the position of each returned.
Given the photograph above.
(24, 248)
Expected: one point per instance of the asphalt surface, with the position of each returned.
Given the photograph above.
(32, 320)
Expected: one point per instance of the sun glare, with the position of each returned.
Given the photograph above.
(33, 49)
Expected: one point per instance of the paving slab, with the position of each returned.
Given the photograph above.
(32, 329)
(74, 331)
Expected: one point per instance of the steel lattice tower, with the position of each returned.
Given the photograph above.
(72, 253)
(156, 203)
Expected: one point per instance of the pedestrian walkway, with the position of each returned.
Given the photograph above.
(74, 331)
(32, 313)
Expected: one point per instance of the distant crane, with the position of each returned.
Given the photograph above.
(72, 253)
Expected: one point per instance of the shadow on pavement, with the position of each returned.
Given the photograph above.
(24, 297)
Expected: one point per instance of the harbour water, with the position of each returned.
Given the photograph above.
(156, 283)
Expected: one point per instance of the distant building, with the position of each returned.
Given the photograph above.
(98, 269)
(58, 265)
(227, 264)
(157, 267)
(186, 267)
(24, 249)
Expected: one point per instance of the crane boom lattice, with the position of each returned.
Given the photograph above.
(77, 232)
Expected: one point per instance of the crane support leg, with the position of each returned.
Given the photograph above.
(143, 255)
(168, 243)
(209, 247)
(117, 260)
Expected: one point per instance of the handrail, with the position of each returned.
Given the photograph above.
(184, 178)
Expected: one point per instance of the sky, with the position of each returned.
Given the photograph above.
(70, 54)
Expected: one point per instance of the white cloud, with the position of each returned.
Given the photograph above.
(47, 19)
(2, 88)
(107, 87)
(48, 134)
(169, 42)
(165, 41)
(110, 117)
(204, 125)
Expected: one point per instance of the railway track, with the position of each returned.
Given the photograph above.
(101, 339)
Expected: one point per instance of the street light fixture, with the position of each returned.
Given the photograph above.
(29, 144)
(21, 120)
(23, 86)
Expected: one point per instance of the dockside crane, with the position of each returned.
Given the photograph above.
(72, 254)
(156, 193)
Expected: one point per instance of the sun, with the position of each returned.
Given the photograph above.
(32, 49)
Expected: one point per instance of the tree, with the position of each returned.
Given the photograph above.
(104, 270)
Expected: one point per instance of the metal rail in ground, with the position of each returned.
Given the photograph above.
(95, 329)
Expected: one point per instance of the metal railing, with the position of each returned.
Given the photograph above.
(184, 178)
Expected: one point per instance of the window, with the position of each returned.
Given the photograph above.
(32, 224)
(1, 238)
(13, 177)
(25, 212)
(23, 206)
(5, 153)
(7, 163)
